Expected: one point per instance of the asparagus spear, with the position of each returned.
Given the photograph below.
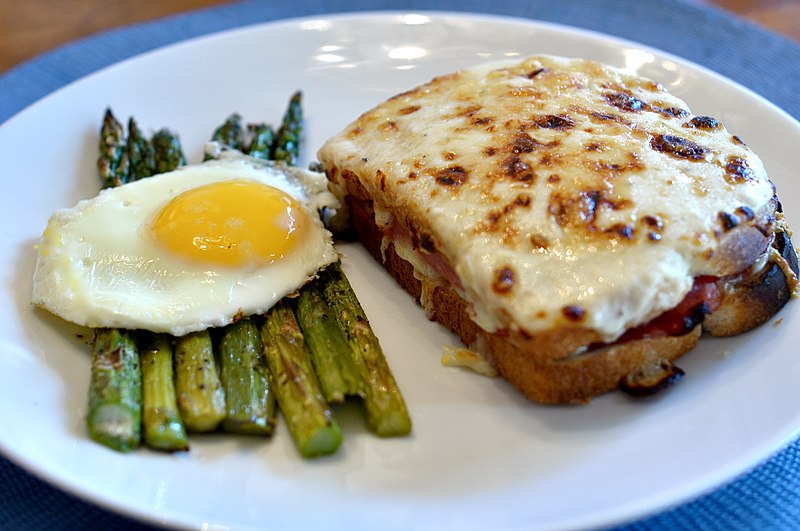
(161, 422)
(333, 360)
(168, 153)
(115, 390)
(246, 379)
(201, 398)
(260, 145)
(287, 141)
(112, 163)
(230, 132)
(163, 428)
(141, 155)
(308, 417)
(386, 410)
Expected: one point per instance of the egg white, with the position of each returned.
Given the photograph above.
(97, 265)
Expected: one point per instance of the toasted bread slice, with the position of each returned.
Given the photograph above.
(571, 222)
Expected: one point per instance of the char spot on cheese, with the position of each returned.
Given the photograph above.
(619, 203)
(356, 131)
(745, 212)
(728, 220)
(453, 176)
(496, 217)
(653, 222)
(595, 146)
(625, 101)
(471, 113)
(490, 151)
(518, 170)
(449, 155)
(705, 123)
(554, 178)
(607, 117)
(539, 242)
(552, 121)
(674, 112)
(522, 200)
(549, 159)
(412, 175)
(536, 72)
(678, 147)
(421, 239)
(512, 125)
(573, 313)
(623, 230)
(503, 280)
(737, 170)
(574, 211)
(603, 166)
(470, 110)
(581, 211)
(389, 125)
(409, 109)
(738, 140)
(522, 142)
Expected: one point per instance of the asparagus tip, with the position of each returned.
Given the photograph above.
(115, 426)
(324, 441)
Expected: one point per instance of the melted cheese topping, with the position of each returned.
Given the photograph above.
(560, 191)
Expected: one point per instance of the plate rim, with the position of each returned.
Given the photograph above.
(107, 503)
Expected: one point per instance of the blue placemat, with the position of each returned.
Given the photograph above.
(765, 498)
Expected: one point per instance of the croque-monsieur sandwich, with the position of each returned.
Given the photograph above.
(575, 225)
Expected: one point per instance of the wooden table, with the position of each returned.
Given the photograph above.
(30, 27)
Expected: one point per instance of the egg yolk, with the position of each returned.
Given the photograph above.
(231, 223)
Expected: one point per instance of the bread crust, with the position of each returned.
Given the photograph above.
(751, 299)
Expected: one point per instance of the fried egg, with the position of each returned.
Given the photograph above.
(185, 250)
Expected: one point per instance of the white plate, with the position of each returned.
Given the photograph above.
(480, 456)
